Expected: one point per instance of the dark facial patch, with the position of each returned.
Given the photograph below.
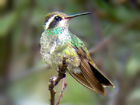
(55, 21)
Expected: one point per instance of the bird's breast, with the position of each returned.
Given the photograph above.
(55, 47)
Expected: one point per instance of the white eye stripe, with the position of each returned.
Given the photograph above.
(49, 21)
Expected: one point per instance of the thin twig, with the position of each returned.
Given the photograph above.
(114, 36)
(55, 80)
(62, 90)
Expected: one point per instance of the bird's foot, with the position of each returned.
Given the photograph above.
(63, 68)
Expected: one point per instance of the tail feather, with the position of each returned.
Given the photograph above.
(100, 76)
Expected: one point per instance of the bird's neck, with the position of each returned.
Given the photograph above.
(56, 31)
(61, 33)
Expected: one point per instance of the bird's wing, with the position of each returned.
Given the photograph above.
(90, 77)
(88, 73)
(81, 79)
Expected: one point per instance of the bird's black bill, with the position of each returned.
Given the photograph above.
(76, 15)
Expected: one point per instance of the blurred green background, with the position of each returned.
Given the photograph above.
(111, 33)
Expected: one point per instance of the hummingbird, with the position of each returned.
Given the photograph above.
(57, 42)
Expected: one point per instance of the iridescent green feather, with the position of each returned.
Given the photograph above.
(54, 31)
(76, 42)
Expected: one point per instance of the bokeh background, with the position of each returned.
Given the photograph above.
(111, 33)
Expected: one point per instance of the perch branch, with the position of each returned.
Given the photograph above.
(55, 80)
(62, 90)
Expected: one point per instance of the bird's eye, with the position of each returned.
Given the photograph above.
(57, 18)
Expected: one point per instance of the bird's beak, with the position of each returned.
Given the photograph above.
(76, 15)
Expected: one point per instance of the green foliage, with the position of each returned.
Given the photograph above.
(119, 58)
(7, 22)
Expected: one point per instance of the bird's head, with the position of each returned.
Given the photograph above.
(59, 19)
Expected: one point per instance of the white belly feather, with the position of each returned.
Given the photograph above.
(54, 48)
